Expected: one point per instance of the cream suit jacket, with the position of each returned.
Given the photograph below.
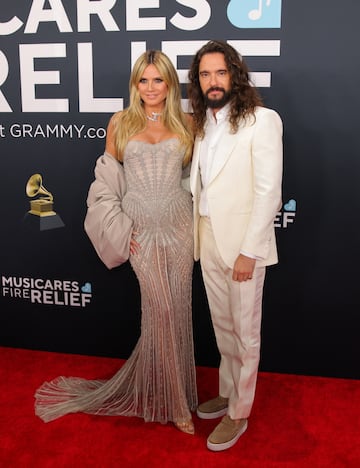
(244, 190)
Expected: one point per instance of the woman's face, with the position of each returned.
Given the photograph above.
(152, 88)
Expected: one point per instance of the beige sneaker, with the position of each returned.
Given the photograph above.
(214, 408)
(226, 434)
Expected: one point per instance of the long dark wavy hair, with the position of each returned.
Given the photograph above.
(244, 96)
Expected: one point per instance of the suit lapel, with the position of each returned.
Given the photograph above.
(225, 147)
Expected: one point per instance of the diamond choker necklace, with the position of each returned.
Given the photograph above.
(154, 116)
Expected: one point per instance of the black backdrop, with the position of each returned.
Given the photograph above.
(63, 70)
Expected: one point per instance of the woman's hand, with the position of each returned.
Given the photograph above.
(134, 245)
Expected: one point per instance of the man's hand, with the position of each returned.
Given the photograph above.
(243, 268)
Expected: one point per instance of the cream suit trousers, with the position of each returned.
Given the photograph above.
(236, 315)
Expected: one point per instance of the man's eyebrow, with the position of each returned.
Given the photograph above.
(216, 71)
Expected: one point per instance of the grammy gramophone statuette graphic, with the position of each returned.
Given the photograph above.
(41, 213)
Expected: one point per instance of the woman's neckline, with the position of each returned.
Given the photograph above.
(155, 143)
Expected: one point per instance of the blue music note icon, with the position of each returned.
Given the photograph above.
(255, 13)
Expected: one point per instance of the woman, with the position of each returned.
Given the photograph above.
(153, 140)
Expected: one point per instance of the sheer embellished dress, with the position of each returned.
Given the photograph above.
(157, 382)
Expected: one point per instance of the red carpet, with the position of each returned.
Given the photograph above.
(296, 422)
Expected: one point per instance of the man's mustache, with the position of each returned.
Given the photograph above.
(214, 88)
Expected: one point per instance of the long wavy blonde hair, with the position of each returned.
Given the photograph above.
(133, 119)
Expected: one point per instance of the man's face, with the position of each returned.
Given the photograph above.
(214, 78)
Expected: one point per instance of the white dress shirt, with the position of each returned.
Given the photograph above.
(214, 127)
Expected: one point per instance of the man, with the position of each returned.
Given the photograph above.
(236, 185)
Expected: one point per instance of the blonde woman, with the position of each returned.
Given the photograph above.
(153, 140)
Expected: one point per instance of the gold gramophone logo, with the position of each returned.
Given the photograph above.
(42, 207)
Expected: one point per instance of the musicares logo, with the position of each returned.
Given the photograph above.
(45, 291)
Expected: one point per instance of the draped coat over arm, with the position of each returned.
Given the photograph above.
(107, 226)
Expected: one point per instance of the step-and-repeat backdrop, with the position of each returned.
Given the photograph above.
(64, 69)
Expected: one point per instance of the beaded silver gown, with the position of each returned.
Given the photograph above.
(158, 381)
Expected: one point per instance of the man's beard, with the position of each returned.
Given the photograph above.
(217, 103)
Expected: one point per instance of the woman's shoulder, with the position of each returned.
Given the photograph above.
(110, 146)
(115, 118)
